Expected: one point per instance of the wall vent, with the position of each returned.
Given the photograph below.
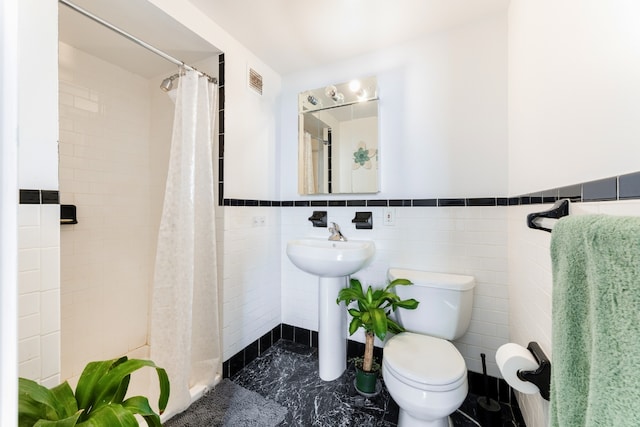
(255, 81)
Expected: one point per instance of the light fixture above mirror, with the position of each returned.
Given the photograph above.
(338, 138)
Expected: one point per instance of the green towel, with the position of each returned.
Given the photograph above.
(595, 371)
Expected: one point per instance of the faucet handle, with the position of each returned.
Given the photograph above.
(335, 227)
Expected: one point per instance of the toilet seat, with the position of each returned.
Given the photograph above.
(425, 362)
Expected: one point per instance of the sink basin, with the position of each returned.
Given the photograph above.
(333, 262)
(326, 258)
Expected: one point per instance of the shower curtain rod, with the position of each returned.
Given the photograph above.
(133, 38)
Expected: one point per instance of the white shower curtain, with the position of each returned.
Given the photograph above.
(184, 317)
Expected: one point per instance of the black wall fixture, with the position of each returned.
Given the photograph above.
(363, 220)
(319, 218)
(68, 214)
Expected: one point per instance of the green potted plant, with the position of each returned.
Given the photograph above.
(99, 399)
(372, 314)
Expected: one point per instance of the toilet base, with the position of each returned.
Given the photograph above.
(406, 420)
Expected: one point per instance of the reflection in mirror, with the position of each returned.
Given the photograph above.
(338, 139)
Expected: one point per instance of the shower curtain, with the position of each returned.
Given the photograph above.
(184, 316)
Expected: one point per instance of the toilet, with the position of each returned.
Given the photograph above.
(423, 371)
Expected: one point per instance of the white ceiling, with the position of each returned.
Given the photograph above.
(140, 19)
(288, 35)
(292, 35)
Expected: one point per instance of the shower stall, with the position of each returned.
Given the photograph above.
(114, 148)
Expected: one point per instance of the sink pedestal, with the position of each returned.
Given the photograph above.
(333, 262)
(332, 328)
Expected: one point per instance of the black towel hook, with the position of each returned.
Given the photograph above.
(557, 211)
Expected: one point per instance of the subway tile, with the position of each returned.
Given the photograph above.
(571, 192)
(630, 186)
(451, 202)
(600, 190)
(425, 202)
(287, 332)
(236, 363)
(265, 342)
(50, 346)
(28, 259)
(376, 203)
(30, 197)
(356, 203)
(251, 352)
(483, 201)
(302, 336)
(276, 334)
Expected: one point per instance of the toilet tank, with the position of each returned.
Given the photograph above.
(445, 302)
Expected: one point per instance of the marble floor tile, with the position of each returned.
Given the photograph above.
(288, 374)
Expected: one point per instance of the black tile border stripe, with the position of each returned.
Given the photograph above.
(37, 197)
(622, 187)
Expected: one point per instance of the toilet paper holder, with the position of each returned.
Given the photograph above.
(541, 377)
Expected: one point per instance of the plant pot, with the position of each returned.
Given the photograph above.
(366, 383)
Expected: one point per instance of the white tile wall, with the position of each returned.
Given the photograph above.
(38, 293)
(530, 287)
(463, 240)
(251, 283)
(104, 170)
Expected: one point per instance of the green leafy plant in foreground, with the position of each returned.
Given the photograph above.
(372, 312)
(98, 400)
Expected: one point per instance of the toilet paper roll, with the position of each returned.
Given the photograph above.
(512, 358)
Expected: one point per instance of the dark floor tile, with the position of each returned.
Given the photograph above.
(287, 373)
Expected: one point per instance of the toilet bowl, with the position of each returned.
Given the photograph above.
(423, 371)
(427, 378)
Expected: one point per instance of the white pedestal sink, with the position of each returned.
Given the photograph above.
(332, 262)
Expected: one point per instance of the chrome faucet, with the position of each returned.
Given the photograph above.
(335, 233)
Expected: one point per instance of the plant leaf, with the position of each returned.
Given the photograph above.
(140, 405)
(379, 321)
(122, 390)
(356, 286)
(110, 416)
(165, 389)
(109, 384)
(66, 422)
(87, 390)
(36, 402)
(354, 313)
(399, 282)
(409, 304)
(354, 325)
(394, 327)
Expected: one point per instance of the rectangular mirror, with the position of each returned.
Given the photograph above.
(338, 139)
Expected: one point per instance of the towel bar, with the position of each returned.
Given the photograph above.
(541, 377)
(557, 211)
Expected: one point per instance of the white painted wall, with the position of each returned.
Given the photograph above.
(443, 106)
(251, 166)
(573, 68)
(8, 211)
(38, 80)
(38, 232)
(572, 86)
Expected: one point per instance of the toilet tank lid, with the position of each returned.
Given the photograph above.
(435, 280)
